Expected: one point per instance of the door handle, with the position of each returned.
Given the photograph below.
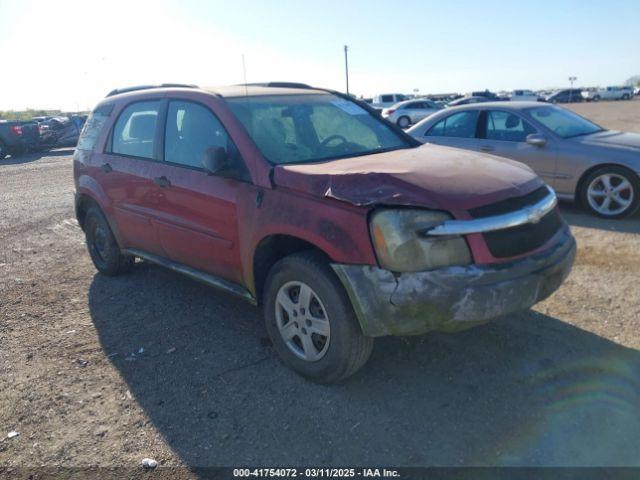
(162, 181)
(487, 148)
(106, 168)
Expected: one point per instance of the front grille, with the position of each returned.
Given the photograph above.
(523, 238)
(515, 241)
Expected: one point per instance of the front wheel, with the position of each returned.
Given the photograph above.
(3, 150)
(611, 192)
(403, 122)
(311, 321)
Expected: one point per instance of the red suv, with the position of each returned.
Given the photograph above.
(308, 203)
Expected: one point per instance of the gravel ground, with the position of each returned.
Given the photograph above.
(106, 371)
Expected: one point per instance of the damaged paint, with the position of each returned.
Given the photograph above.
(430, 176)
(453, 298)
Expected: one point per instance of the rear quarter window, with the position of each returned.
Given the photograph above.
(93, 126)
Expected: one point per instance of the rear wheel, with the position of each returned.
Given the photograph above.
(3, 150)
(596, 98)
(403, 122)
(611, 192)
(103, 248)
(311, 321)
(625, 96)
(17, 152)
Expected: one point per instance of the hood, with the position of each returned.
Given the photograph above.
(429, 176)
(612, 138)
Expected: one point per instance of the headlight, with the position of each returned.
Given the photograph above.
(401, 245)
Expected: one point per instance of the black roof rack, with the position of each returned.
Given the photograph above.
(146, 87)
(278, 85)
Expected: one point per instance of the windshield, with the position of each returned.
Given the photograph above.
(312, 127)
(563, 122)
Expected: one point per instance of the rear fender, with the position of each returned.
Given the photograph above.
(88, 188)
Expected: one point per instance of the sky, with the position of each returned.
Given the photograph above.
(68, 54)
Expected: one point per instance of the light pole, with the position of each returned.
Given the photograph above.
(571, 80)
(346, 66)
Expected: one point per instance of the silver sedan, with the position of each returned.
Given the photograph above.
(582, 161)
(409, 112)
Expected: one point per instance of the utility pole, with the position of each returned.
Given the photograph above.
(346, 66)
(571, 80)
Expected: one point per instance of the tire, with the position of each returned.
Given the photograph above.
(593, 197)
(403, 121)
(17, 152)
(103, 248)
(625, 96)
(3, 150)
(596, 98)
(340, 353)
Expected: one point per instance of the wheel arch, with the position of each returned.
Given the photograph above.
(272, 248)
(590, 170)
(84, 202)
(85, 199)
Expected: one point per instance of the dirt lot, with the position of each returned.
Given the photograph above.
(107, 371)
(624, 115)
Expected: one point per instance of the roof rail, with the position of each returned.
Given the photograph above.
(146, 87)
(278, 85)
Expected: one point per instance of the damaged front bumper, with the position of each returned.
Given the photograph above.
(453, 298)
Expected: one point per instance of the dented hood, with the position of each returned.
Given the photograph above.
(429, 176)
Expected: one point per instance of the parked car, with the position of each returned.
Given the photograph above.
(17, 137)
(467, 101)
(409, 112)
(57, 132)
(489, 95)
(443, 97)
(523, 96)
(385, 100)
(568, 95)
(342, 226)
(609, 93)
(582, 161)
(40, 119)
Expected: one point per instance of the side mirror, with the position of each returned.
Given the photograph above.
(536, 140)
(215, 160)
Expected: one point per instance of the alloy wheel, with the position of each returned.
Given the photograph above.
(610, 194)
(302, 321)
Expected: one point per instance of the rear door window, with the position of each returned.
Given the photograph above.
(460, 125)
(134, 132)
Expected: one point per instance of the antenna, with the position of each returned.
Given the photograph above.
(244, 74)
(246, 96)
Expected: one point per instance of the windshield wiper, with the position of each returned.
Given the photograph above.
(368, 152)
(347, 155)
(585, 133)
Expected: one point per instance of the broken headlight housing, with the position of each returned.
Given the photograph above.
(401, 244)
